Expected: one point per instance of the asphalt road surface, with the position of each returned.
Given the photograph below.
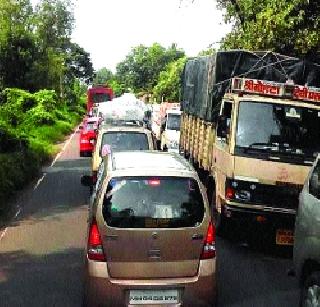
(42, 248)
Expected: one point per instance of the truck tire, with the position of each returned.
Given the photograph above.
(310, 293)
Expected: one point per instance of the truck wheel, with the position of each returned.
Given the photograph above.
(310, 293)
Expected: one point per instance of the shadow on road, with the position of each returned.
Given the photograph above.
(59, 191)
(249, 276)
(48, 280)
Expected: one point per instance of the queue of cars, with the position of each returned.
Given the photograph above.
(151, 238)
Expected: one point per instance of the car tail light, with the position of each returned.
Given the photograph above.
(230, 193)
(209, 246)
(95, 249)
(94, 177)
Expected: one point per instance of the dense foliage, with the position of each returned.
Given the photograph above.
(290, 27)
(153, 70)
(141, 68)
(168, 87)
(42, 86)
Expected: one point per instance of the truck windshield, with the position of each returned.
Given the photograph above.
(122, 141)
(153, 202)
(173, 122)
(100, 97)
(278, 128)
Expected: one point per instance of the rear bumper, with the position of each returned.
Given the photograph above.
(257, 216)
(85, 147)
(101, 290)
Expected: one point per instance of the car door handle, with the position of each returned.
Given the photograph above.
(197, 237)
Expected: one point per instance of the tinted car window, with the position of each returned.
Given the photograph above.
(91, 126)
(120, 141)
(143, 202)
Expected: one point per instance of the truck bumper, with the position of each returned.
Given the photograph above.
(258, 217)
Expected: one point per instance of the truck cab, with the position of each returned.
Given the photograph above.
(267, 137)
(170, 131)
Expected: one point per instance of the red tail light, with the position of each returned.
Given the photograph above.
(95, 249)
(94, 177)
(230, 193)
(209, 246)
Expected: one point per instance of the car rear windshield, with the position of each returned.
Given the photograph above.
(91, 126)
(144, 202)
(122, 141)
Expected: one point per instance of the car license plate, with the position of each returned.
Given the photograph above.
(142, 297)
(284, 237)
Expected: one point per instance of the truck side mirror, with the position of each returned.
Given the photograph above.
(162, 127)
(314, 188)
(222, 127)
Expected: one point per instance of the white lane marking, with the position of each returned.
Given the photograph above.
(18, 212)
(3, 233)
(64, 147)
(39, 181)
(55, 159)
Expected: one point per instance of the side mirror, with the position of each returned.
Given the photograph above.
(86, 181)
(162, 128)
(314, 188)
(222, 127)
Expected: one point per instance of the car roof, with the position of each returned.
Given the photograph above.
(125, 128)
(149, 160)
(92, 119)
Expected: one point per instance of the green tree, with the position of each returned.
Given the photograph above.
(168, 87)
(59, 60)
(290, 27)
(17, 44)
(142, 66)
(208, 51)
(103, 76)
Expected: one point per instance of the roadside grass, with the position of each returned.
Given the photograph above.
(29, 134)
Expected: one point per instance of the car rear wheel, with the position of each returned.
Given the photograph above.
(310, 296)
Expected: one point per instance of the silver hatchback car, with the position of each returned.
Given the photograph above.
(151, 240)
(306, 251)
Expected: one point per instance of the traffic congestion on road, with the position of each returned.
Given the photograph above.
(143, 228)
(160, 153)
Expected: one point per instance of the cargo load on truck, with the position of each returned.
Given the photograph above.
(206, 79)
(121, 109)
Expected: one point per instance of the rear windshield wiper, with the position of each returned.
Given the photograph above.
(267, 147)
